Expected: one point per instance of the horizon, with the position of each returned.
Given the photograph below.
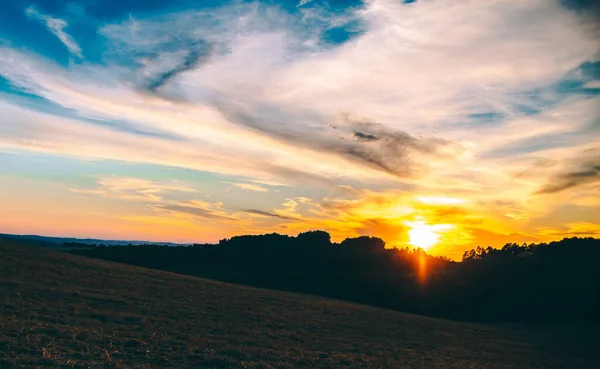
(333, 242)
(425, 123)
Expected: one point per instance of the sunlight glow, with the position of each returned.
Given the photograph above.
(439, 200)
(425, 235)
(422, 236)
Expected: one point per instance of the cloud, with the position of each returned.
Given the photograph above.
(266, 214)
(393, 152)
(364, 136)
(192, 56)
(587, 170)
(537, 166)
(276, 116)
(120, 184)
(440, 200)
(57, 27)
(205, 213)
(135, 189)
(303, 2)
(577, 229)
(31, 130)
(251, 187)
(201, 209)
(396, 151)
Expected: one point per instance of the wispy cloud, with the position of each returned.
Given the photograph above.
(57, 27)
(264, 103)
(202, 212)
(133, 189)
(303, 2)
(263, 213)
(579, 229)
(251, 187)
(190, 57)
(587, 170)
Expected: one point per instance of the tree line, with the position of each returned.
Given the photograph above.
(529, 282)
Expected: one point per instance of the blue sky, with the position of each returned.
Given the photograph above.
(193, 121)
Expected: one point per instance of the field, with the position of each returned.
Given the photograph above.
(59, 310)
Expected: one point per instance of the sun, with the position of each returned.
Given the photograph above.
(422, 235)
(425, 235)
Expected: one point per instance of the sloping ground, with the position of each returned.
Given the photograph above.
(63, 311)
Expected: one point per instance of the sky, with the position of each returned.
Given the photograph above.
(441, 124)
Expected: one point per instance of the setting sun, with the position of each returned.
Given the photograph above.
(422, 236)
(425, 235)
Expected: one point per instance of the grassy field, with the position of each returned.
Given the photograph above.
(63, 311)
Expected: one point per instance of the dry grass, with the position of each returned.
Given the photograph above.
(64, 311)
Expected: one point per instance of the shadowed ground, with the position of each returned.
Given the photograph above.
(64, 311)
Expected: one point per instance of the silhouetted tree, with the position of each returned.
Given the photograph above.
(363, 244)
(314, 239)
(528, 282)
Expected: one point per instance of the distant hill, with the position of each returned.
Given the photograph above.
(58, 241)
(65, 311)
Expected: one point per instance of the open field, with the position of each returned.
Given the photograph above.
(64, 311)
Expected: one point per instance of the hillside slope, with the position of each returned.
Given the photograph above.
(60, 310)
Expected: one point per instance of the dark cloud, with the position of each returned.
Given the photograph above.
(390, 151)
(267, 214)
(360, 136)
(200, 212)
(196, 54)
(588, 171)
(367, 143)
